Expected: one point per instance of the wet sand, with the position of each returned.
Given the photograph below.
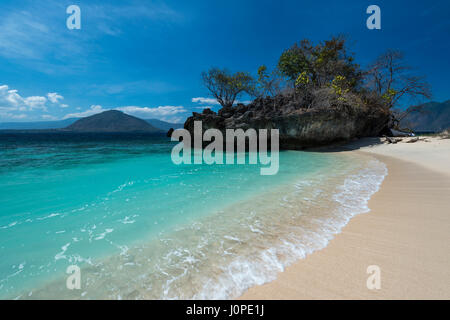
(406, 234)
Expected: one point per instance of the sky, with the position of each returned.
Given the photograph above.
(146, 57)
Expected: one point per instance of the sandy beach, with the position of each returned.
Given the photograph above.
(406, 234)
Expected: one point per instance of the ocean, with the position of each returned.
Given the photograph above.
(140, 227)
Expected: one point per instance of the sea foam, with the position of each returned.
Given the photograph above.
(242, 273)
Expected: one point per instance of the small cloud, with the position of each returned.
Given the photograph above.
(54, 97)
(210, 101)
(36, 102)
(11, 97)
(203, 100)
(159, 112)
(94, 109)
(204, 107)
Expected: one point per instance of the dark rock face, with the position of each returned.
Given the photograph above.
(299, 127)
(111, 121)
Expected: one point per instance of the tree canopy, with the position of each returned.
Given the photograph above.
(227, 87)
(323, 74)
(320, 63)
(392, 79)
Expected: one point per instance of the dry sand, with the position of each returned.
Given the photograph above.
(406, 234)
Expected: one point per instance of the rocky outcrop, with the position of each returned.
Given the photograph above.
(299, 127)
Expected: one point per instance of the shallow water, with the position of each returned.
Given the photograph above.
(141, 227)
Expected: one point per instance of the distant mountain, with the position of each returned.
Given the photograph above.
(163, 125)
(111, 121)
(38, 125)
(435, 116)
(60, 124)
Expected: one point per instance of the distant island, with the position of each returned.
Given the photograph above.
(111, 121)
(108, 121)
(431, 117)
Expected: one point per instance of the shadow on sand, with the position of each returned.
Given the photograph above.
(349, 145)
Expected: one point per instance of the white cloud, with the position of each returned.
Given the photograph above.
(203, 107)
(94, 109)
(203, 100)
(36, 102)
(9, 97)
(210, 101)
(12, 103)
(54, 97)
(15, 106)
(159, 112)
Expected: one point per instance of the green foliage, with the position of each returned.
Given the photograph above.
(267, 83)
(302, 79)
(340, 86)
(262, 74)
(296, 60)
(323, 75)
(389, 95)
(320, 63)
(241, 81)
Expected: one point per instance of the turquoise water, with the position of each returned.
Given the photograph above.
(140, 226)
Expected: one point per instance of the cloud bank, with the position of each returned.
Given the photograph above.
(15, 106)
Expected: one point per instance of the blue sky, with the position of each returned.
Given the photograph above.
(145, 57)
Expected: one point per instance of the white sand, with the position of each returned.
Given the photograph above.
(406, 234)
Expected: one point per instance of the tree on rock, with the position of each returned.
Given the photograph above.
(268, 83)
(320, 63)
(391, 79)
(227, 87)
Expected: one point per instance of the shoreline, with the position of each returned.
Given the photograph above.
(246, 231)
(405, 234)
(413, 256)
